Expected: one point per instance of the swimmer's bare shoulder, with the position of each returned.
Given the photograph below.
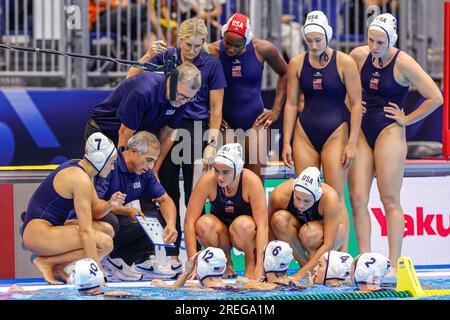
(206, 185)
(296, 64)
(280, 196)
(70, 179)
(360, 54)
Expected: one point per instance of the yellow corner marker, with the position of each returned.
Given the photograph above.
(407, 280)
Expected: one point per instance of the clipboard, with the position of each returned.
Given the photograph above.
(154, 230)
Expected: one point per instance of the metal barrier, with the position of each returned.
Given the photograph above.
(33, 23)
(126, 28)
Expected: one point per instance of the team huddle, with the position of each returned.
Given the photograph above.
(342, 115)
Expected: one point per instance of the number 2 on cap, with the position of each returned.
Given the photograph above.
(368, 263)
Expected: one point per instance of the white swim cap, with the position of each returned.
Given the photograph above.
(86, 275)
(231, 155)
(309, 181)
(211, 263)
(339, 265)
(317, 21)
(277, 256)
(370, 268)
(386, 23)
(98, 150)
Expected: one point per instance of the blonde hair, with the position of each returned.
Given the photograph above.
(194, 27)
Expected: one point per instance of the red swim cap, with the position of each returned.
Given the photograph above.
(239, 25)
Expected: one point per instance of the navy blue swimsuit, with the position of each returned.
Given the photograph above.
(306, 216)
(324, 110)
(46, 203)
(242, 101)
(378, 89)
(228, 209)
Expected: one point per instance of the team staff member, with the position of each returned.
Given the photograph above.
(386, 74)
(207, 106)
(69, 187)
(142, 103)
(243, 57)
(133, 176)
(238, 215)
(305, 214)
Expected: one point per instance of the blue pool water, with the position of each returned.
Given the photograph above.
(154, 293)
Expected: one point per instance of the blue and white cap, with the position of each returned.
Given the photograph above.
(86, 275)
(371, 267)
(309, 182)
(231, 155)
(99, 149)
(317, 21)
(211, 262)
(386, 23)
(339, 265)
(277, 256)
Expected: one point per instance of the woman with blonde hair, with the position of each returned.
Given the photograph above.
(204, 112)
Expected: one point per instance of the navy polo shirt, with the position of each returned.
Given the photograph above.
(213, 78)
(134, 186)
(140, 104)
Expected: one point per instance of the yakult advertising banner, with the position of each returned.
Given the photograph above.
(426, 204)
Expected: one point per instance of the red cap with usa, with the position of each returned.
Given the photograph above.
(239, 25)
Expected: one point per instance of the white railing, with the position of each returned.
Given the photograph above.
(105, 27)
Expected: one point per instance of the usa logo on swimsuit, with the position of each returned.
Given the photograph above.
(317, 84)
(229, 206)
(229, 209)
(374, 81)
(236, 71)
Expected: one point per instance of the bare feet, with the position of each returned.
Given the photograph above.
(229, 273)
(46, 269)
(58, 272)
